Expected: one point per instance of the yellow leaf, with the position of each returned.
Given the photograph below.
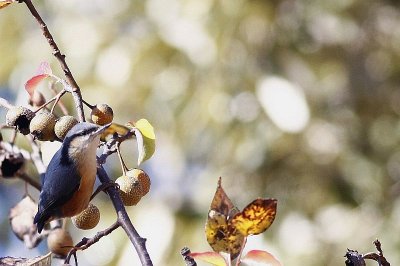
(255, 217)
(146, 139)
(220, 236)
(114, 128)
(222, 203)
(5, 3)
(146, 128)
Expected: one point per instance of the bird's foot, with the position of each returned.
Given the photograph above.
(104, 187)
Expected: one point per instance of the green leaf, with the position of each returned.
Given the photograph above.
(212, 258)
(146, 140)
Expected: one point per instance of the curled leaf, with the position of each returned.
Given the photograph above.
(212, 258)
(220, 236)
(146, 139)
(44, 260)
(5, 3)
(259, 258)
(21, 220)
(255, 217)
(114, 128)
(42, 72)
(221, 202)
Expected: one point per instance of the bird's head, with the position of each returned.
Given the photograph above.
(82, 139)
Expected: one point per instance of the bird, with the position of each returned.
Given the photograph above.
(68, 183)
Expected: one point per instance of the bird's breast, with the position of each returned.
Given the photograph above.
(80, 199)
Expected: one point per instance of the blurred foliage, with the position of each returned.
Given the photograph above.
(296, 100)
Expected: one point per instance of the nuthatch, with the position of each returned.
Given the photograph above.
(68, 182)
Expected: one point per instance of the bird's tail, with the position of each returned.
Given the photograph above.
(40, 221)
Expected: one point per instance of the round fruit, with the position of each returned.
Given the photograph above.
(20, 117)
(143, 178)
(63, 125)
(42, 126)
(60, 242)
(102, 114)
(130, 189)
(88, 218)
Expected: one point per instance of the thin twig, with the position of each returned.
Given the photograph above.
(88, 104)
(87, 242)
(60, 103)
(121, 160)
(57, 100)
(241, 251)
(36, 157)
(4, 103)
(356, 259)
(123, 219)
(58, 96)
(189, 261)
(111, 146)
(76, 92)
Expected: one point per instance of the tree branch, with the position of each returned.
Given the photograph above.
(87, 242)
(110, 146)
(189, 261)
(123, 219)
(76, 92)
(356, 259)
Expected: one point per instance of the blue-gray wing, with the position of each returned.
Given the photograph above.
(59, 185)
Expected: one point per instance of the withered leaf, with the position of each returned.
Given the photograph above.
(220, 236)
(21, 220)
(222, 203)
(255, 217)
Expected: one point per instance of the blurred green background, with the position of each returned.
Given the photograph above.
(296, 100)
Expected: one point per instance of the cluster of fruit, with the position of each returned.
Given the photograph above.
(45, 126)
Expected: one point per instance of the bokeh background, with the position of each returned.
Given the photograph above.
(296, 100)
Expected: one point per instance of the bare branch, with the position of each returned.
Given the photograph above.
(87, 242)
(76, 92)
(110, 146)
(189, 261)
(4, 103)
(123, 219)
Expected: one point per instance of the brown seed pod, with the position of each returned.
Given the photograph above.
(60, 242)
(63, 125)
(10, 163)
(142, 177)
(88, 218)
(20, 117)
(42, 126)
(102, 114)
(21, 221)
(130, 189)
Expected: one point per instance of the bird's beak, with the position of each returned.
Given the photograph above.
(101, 129)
